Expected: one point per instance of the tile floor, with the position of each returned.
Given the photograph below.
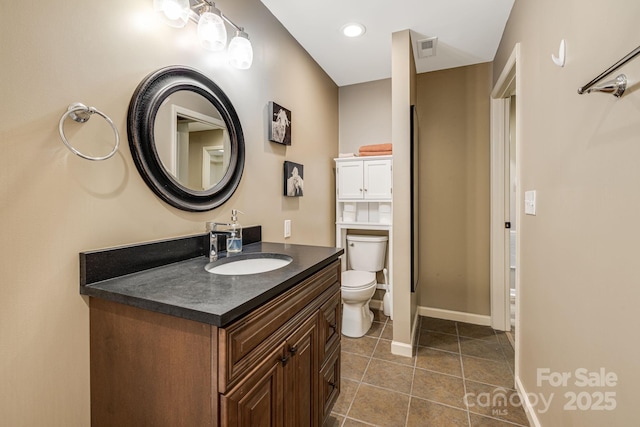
(453, 359)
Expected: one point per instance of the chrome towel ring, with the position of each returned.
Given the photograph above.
(81, 113)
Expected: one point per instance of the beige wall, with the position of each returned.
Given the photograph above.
(365, 115)
(579, 272)
(453, 106)
(55, 204)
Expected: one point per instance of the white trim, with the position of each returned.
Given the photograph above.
(532, 416)
(507, 78)
(401, 349)
(404, 349)
(507, 84)
(499, 312)
(180, 111)
(458, 316)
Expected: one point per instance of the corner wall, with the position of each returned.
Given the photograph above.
(579, 278)
(403, 94)
(453, 106)
(55, 204)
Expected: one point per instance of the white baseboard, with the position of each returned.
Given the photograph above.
(458, 316)
(404, 349)
(528, 408)
(401, 349)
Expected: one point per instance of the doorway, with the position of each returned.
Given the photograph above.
(510, 180)
(505, 193)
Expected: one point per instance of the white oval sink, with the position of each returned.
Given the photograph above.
(248, 264)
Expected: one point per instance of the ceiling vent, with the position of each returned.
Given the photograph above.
(427, 47)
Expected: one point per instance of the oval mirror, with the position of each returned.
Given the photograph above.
(186, 139)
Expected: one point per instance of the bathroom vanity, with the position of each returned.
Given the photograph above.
(174, 345)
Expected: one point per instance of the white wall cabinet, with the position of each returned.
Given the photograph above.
(369, 179)
(364, 190)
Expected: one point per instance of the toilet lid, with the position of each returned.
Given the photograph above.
(358, 279)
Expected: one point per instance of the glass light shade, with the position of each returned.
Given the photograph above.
(212, 32)
(240, 51)
(176, 12)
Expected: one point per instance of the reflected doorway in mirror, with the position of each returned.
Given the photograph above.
(279, 124)
(293, 179)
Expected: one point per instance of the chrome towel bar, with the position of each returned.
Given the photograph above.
(620, 63)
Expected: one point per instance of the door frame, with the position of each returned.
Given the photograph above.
(508, 84)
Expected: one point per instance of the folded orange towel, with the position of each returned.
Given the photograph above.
(376, 147)
(375, 153)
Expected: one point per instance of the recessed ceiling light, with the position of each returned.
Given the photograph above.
(353, 29)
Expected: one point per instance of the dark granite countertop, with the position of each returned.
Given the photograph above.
(185, 289)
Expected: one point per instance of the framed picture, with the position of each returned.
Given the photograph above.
(293, 179)
(279, 124)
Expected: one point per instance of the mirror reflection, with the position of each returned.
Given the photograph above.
(192, 140)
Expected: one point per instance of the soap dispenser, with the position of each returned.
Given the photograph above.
(234, 240)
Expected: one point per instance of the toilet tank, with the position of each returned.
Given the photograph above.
(366, 253)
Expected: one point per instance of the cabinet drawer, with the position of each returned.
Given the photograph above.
(330, 325)
(330, 383)
(245, 342)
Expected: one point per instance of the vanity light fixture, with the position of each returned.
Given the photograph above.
(353, 29)
(212, 32)
(240, 51)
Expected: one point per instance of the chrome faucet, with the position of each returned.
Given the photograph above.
(213, 238)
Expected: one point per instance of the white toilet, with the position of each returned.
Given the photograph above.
(365, 256)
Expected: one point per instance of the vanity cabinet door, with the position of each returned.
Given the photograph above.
(257, 400)
(301, 376)
(330, 383)
(330, 325)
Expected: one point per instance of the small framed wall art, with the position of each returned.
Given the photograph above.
(279, 124)
(293, 179)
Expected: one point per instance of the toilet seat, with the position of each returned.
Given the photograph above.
(356, 279)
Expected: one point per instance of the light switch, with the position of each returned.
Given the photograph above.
(287, 228)
(530, 202)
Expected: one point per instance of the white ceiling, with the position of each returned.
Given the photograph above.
(468, 32)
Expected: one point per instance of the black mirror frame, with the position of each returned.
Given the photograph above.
(144, 105)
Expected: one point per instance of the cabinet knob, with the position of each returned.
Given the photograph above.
(333, 386)
(293, 349)
(284, 360)
(333, 326)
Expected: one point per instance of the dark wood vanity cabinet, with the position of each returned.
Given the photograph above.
(279, 365)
